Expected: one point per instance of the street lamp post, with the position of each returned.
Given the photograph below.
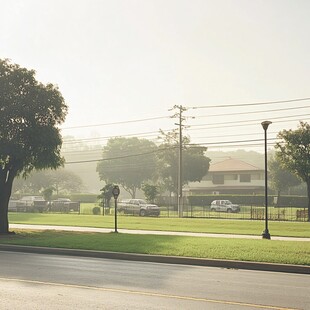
(266, 234)
(115, 192)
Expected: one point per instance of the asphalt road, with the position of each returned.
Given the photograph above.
(38, 281)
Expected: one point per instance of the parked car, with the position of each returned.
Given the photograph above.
(31, 204)
(224, 206)
(63, 205)
(138, 207)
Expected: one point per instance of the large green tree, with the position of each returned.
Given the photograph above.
(195, 164)
(293, 150)
(280, 178)
(128, 162)
(30, 113)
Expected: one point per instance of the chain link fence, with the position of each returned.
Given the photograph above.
(170, 210)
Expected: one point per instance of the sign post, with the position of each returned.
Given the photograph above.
(115, 192)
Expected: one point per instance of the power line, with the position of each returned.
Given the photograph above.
(236, 124)
(118, 123)
(240, 145)
(206, 128)
(191, 129)
(152, 133)
(121, 157)
(252, 112)
(209, 147)
(227, 142)
(214, 106)
(236, 135)
(253, 120)
(250, 104)
(197, 107)
(96, 150)
(217, 144)
(140, 134)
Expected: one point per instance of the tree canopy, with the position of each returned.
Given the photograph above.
(106, 196)
(30, 139)
(280, 178)
(195, 164)
(150, 192)
(293, 150)
(128, 162)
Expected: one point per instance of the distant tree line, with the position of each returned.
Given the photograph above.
(52, 182)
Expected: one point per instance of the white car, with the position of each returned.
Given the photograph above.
(224, 206)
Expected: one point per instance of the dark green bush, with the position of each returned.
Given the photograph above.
(84, 197)
(96, 211)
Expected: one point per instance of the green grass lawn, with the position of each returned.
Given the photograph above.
(293, 229)
(286, 252)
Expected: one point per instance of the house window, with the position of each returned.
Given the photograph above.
(245, 178)
(230, 177)
(218, 179)
(256, 177)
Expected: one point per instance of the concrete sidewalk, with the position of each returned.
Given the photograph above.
(149, 232)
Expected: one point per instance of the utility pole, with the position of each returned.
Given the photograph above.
(180, 173)
(179, 115)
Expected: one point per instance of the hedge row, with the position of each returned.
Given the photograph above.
(285, 201)
(84, 197)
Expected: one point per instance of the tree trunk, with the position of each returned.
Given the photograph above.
(134, 193)
(4, 221)
(4, 204)
(308, 190)
(6, 182)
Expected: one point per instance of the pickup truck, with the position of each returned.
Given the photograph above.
(138, 207)
(31, 204)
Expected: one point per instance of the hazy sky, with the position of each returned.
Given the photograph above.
(122, 60)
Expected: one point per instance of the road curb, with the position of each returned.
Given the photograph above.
(230, 264)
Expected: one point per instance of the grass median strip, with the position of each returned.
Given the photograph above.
(283, 252)
(243, 227)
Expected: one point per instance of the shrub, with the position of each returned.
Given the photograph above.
(84, 197)
(96, 211)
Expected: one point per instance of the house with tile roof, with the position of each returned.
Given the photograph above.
(231, 176)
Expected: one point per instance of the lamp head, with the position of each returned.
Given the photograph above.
(265, 124)
(115, 191)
